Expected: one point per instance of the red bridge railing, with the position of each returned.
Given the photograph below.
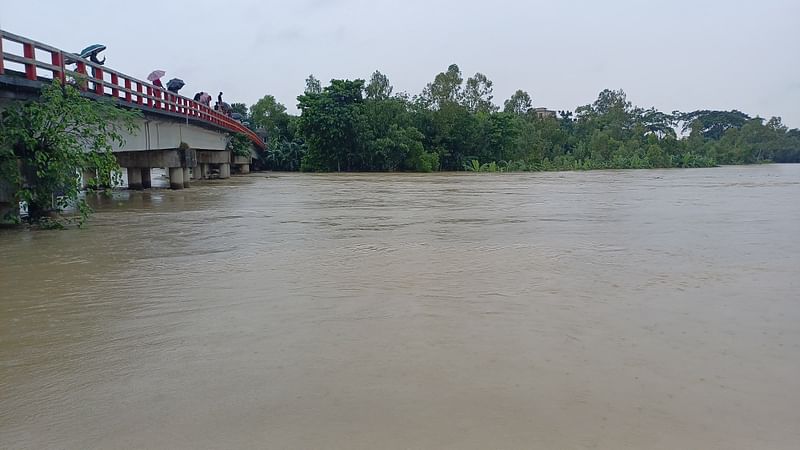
(40, 62)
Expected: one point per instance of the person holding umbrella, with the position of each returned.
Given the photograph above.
(89, 53)
(155, 78)
(175, 84)
(92, 51)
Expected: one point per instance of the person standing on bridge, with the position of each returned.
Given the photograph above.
(205, 98)
(155, 78)
(219, 99)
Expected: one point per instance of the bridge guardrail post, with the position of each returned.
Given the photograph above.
(29, 52)
(81, 69)
(97, 74)
(115, 83)
(128, 95)
(57, 59)
(139, 98)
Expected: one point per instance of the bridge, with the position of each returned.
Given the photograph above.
(176, 133)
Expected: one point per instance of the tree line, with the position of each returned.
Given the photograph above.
(454, 124)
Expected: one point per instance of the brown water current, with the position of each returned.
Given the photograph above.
(613, 310)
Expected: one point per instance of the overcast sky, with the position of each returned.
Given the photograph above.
(671, 54)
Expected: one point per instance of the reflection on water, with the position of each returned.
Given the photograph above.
(633, 309)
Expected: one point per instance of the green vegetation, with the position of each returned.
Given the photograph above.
(453, 124)
(46, 144)
(239, 144)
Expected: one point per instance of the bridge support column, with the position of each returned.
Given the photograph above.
(244, 168)
(203, 168)
(147, 180)
(186, 177)
(135, 178)
(225, 170)
(176, 177)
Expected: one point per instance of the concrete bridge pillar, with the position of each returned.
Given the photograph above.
(244, 168)
(186, 177)
(203, 168)
(147, 180)
(225, 170)
(135, 178)
(176, 177)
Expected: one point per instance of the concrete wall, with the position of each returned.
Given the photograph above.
(162, 134)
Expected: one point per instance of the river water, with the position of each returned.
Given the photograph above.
(614, 310)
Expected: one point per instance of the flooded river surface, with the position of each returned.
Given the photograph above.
(612, 310)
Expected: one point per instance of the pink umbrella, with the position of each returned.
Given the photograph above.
(155, 75)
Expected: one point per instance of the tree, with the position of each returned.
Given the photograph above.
(240, 108)
(331, 123)
(379, 87)
(270, 115)
(453, 124)
(286, 155)
(240, 145)
(398, 146)
(446, 88)
(478, 94)
(519, 103)
(656, 122)
(609, 101)
(313, 85)
(611, 113)
(713, 123)
(45, 144)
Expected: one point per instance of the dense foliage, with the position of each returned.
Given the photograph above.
(239, 144)
(454, 124)
(46, 144)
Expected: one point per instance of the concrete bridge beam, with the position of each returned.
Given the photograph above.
(213, 156)
(155, 158)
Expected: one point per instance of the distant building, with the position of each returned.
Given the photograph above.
(542, 113)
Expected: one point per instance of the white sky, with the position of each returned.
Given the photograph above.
(677, 54)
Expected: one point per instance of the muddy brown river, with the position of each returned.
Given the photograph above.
(612, 310)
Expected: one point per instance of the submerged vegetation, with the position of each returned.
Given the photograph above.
(453, 124)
